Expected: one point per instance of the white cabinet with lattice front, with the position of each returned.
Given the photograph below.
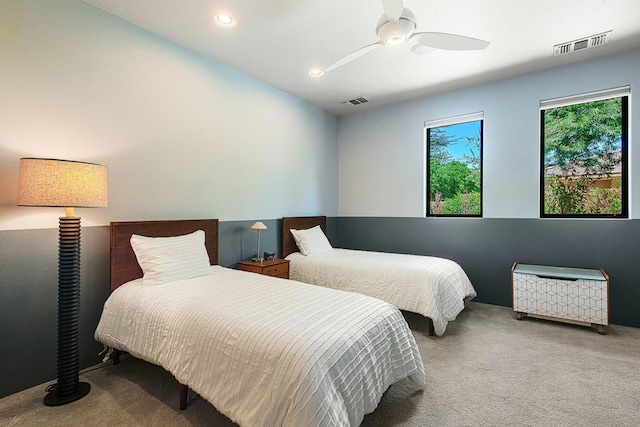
(573, 295)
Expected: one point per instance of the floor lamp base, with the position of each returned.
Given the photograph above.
(52, 398)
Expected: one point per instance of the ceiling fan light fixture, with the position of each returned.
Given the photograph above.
(395, 39)
(398, 24)
(395, 34)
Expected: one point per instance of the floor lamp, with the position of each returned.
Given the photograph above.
(68, 184)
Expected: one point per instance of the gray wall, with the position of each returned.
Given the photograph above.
(28, 293)
(28, 309)
(382, 185)
(187, 137)
(238, 241)
(486, 248)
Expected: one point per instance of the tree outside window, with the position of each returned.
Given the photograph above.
(454, 169)
(584, 159)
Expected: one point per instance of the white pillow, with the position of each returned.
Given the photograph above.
(311, 241)
(165, 259)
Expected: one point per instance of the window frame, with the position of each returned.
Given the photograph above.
(467, 118)
(623, 93)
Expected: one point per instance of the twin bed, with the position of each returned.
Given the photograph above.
(436, 288)
(264, 351)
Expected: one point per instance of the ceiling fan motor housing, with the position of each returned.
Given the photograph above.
(404, 29)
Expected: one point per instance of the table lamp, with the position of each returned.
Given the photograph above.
(68, 184)
(258, 226)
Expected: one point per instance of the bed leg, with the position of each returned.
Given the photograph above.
(431, 330)
(115, 356)
(183, 396)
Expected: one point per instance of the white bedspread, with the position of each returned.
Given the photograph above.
(433, 287)
(266, 351)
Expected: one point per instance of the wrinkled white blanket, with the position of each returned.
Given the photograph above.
(266, 351)
(434, 287)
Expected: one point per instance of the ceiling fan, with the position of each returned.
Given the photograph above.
(398, 24)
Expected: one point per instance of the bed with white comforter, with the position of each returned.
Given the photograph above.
(266, 351)
(436, 288)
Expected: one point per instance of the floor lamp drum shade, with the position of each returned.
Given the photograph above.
(68, 184)
(64, 183)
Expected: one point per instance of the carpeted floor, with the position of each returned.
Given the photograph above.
(487, 370)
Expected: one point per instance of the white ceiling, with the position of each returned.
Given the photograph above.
(279, 41)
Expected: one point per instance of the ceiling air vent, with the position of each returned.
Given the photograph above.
(356, 101)
(580, 44)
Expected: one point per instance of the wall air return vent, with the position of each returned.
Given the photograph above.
(356, 101)
(580, 44)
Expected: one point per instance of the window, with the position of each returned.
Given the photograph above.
(454, 166)
(584, 155)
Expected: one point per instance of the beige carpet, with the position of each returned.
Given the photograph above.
(488, 370)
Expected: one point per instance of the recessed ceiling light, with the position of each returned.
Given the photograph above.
(316, 72)
(224, 19)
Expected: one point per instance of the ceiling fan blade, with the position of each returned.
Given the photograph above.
(449, 41)
(353, 55)
(393, 9)
(421, 49)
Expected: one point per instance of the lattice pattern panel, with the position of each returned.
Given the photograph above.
(583, 300)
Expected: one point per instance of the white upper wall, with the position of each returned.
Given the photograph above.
(182, 136)
(382, 152)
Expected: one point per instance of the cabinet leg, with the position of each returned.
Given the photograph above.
(519, 315)
(601, 329)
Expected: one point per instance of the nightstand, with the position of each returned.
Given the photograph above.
(275, 267)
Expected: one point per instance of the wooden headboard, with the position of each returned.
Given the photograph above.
(124, 265)
(298, 223)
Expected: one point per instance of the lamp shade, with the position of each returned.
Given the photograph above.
(61, 183)
(259, 226)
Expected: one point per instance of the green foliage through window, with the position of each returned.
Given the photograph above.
(454, 169)
(583, 164)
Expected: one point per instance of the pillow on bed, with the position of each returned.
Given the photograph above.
(311, 241)
(164, 259)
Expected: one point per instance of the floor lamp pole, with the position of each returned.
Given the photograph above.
(68, 388)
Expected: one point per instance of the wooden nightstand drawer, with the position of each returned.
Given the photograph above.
(274, 268)
(278, 270)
